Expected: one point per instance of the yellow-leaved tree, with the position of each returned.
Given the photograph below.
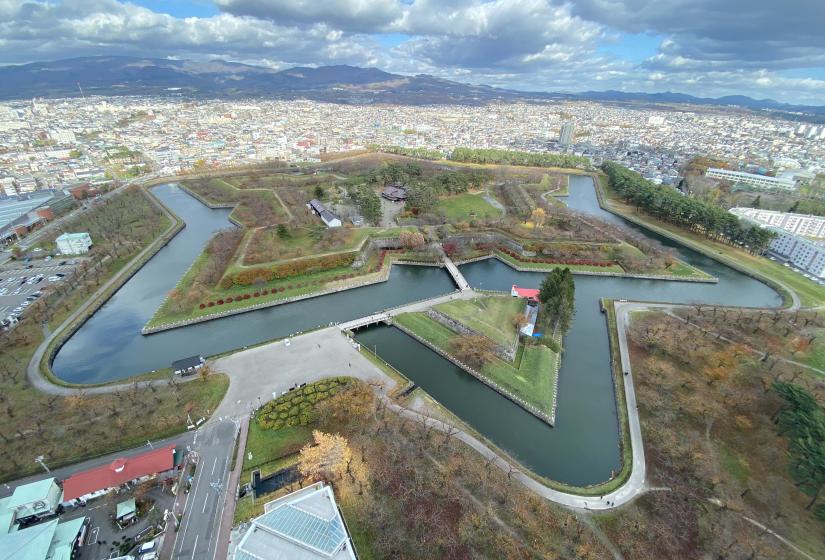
(328, 458)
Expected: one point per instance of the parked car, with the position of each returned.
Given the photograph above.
(61, 263)
(147, 547)
(54, 278)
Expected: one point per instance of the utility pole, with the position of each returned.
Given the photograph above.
(39, 459)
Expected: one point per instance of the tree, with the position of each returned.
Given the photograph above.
(283, 232)
(473, 350)
(421, 199)
(538, 217)
(557, 295)
(412, 239)
(327, 458)
(319, 192)
(367, 202)
(17, 251)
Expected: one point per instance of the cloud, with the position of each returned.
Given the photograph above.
(346, 15)
(39, 30)
(722, 33)
(710, 47)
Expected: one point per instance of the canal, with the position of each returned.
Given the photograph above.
(581, 449)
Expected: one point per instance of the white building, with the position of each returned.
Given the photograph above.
(304, 525)
(73, 243)
(566, 134)
(751, 179)
(804, 254)
(800, 224)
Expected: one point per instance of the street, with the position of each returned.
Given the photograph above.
(198, 533)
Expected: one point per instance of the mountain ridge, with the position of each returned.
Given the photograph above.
(128, 75)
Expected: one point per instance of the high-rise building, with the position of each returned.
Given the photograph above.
(566, 134)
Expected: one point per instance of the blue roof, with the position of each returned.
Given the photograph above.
(322, 535)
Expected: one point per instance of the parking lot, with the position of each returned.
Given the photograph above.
(19, 283)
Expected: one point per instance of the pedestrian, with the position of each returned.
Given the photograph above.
(349, 364)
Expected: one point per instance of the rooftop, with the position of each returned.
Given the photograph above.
(304, 525)
(118, 472)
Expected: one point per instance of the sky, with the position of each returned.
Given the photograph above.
(708, 48)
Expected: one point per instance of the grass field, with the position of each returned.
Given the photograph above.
(490, 316)
(466, 207)
(533, 381)
(266, 246)
(810, 294)
(548, 267)
(271, 451)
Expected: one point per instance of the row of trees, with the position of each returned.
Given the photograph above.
(671, 206)
(420, 153)
(557, 294)
(511, 157)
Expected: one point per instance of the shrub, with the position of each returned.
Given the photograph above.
(211, 304)
(256, 294)
(246, 296)
(201, 306)
(229, 300)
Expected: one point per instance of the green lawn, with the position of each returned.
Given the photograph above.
(490, 316)
(271, 450)
(465, 207)
(533, 381)
(548, 267)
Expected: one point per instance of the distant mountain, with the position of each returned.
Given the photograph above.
(123, 75)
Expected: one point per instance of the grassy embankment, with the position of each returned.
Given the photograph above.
(466, 207)
(251, 207)
(70, 429)
(276, 290)
(270, 248)
(492, 317)
(532, 379)
(810, 293)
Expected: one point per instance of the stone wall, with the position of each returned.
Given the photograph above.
(506, 354)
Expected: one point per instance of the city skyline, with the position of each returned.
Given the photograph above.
(701, 49)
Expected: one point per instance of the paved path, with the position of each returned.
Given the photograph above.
(458, 278)
(231, 494)
(33, 373)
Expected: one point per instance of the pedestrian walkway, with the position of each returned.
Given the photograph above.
(231, 493)
(458, 278)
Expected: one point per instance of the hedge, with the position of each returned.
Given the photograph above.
(296, 407)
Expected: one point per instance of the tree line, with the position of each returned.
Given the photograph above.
(671, 206)
(512, 157)
(558, 294)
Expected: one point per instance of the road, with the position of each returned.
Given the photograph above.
(197, 535)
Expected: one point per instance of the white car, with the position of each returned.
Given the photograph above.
(17, 310)
(25, 304)
(54, 278)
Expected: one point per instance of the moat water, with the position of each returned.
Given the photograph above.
(583, 447)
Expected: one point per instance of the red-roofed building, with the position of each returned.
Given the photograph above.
(120, 471)
(525, 293)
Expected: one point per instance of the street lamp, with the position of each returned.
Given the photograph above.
(39, 459)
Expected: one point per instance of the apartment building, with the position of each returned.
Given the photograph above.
(752, 179)
(800, 224)
(803, 253)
